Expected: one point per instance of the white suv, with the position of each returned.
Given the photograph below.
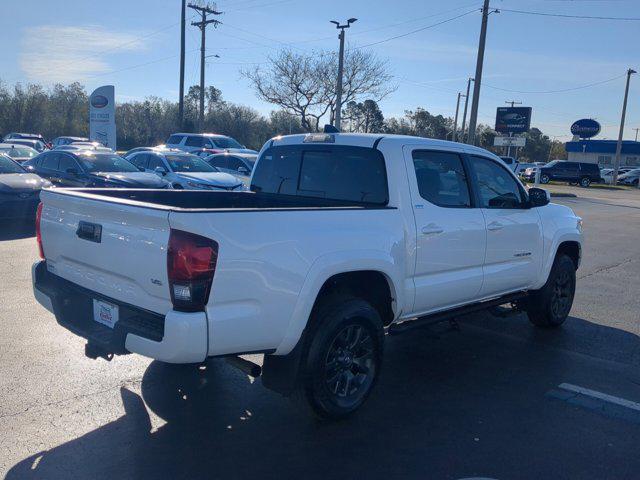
(213, 143)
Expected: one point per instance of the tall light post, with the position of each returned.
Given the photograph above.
(614, 177)
(455, 121)
(340, 69)
(466, 104)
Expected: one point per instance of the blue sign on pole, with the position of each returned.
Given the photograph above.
(585, 128)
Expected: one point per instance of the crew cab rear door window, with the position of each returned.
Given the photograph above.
(441, 178)
(196, 142)
(352, 174)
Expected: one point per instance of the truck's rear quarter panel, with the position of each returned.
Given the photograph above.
(264, 258)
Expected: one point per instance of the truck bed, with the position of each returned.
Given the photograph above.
(191, 200)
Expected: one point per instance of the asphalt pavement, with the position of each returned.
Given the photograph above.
(495, 399)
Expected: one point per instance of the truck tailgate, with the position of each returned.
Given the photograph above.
(119, 251)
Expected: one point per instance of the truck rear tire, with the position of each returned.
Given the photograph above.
(344, 356)
(549, 307)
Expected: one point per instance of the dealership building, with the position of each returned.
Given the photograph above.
(603, 152)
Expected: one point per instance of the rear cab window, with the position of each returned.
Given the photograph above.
(345, 173)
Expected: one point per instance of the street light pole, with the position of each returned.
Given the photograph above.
(455, 121)
(614, 177)
(466, 103)
(340, 70)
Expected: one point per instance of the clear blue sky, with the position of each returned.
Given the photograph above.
(134, 45)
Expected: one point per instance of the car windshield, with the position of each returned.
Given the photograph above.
(101, 162)
(226, 142)
(553, 163)
(21, 152)
(9, 166)
(188, 164)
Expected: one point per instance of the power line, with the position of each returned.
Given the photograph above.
(418, 29)
(557, 91)
(132, 67)
(580, 17)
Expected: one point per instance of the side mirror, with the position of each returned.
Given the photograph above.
(160, 171)
(72, 171)
(538, 197)
(243, 170)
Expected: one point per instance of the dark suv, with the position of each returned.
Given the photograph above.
(583, 174)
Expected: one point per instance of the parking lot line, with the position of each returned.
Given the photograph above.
(601, 396)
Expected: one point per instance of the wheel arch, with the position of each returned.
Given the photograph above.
(365, 275)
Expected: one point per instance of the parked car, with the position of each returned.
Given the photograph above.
(234, 163)
(73, 147)
(522, 166)
(629, 178)
(580, 173)
(59, 141)
(194, 142)
(129, 153)
(87, 168)
(343, 237)
(607, 173)
(37, 145)
(185, 171)
(20, 153)
(19, 190)
(24, 136)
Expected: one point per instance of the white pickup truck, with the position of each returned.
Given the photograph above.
(341, 239)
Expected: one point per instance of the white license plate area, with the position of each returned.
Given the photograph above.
(105, 313)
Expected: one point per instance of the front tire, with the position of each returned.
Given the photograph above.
(549, 307)
(544, 179)
(344, 357)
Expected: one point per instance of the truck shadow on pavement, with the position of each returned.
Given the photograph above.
(462, 404)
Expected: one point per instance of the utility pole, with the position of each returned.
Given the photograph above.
(473, 118)
(614, 178)
(455, 121)
(340, 69)
(182, 32)
(203, 10)
(466, 103)
(636, 130)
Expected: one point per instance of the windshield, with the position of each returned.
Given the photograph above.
(553, 162)
(19, 152)
(9, 166)
(226, 142)
(106, 163)
(188, 164)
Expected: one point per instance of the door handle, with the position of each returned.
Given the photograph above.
(493, 226)
(432, 229)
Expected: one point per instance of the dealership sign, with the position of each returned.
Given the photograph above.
(513, 119)
(499, 141)
(585, 128)
(102, 116)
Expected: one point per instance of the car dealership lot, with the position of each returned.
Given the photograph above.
(484, 401)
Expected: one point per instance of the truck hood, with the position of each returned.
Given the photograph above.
(131, 179)
(22, 181)
(215, 179)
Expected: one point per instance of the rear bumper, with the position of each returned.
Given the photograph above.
(177, 337)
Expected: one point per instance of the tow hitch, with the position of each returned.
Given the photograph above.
(94, 351)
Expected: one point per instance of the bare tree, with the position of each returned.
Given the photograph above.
(304, 84)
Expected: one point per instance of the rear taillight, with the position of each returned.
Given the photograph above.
(191, 263)
(38, 232)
